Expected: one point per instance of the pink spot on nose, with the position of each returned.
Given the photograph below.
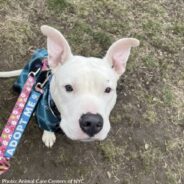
(91, 108)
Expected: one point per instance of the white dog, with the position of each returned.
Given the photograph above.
(83, 89)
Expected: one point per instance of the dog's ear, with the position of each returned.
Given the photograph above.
(58, 48)
(119, 52)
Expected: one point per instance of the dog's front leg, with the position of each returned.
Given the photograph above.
(48, 138)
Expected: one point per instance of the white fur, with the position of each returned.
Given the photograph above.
(48, 138)
(10, 74)
(89, 78)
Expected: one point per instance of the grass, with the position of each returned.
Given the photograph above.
(58, 5)
(151, 157)
(167, 95)
(150, 116)
(150, 61)
(110, 151)
(149, 109)
(178, 29)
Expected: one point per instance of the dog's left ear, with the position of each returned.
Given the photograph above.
(119, 52)
(58, 48)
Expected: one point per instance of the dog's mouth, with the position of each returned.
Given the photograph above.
(90, 139)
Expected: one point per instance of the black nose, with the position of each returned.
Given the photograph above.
(91, 124)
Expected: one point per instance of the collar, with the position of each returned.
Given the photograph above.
(51, 103)
(53, 107)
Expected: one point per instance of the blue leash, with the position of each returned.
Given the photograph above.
(23, 121)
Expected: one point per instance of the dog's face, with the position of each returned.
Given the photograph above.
(84, 89)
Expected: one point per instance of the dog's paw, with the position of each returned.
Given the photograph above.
(48, 138)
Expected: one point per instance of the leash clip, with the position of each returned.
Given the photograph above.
(34, 73)
(39, 85)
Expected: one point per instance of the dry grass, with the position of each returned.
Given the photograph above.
(146, 143)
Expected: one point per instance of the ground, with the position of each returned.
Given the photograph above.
(146, 142)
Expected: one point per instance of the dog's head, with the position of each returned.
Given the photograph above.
(84, 89)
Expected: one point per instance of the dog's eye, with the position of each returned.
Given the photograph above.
(108, 90)
(68, 88)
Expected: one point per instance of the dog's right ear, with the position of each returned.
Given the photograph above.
(58, 48)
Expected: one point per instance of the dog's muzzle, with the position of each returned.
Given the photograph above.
(91, 124)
